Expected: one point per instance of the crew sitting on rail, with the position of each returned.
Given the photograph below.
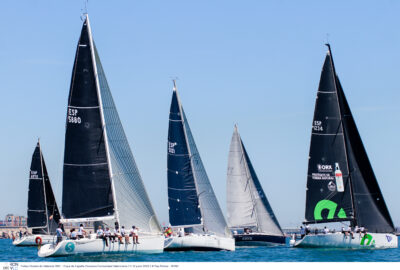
(135, 234)
(117, 234)
(107, 235)
(100, 235)
(125, 235)
(326, 230)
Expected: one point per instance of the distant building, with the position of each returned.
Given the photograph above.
(13, 221)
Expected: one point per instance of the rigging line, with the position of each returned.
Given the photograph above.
(337, 131)
(101, 139)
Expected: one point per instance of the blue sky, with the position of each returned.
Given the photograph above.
(254, 63)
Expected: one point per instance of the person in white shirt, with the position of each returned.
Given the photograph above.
(73, 234)
(181, 232)
(59, 233)
(107, 235)
(350, 232)
(101, 234)
(125, 235)
(326, 230)
(135, 235)
(81, 231)
(117, 234)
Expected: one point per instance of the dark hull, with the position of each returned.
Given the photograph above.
(192, 249)
(258, 239)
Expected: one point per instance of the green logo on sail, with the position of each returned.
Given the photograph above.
(331, 207)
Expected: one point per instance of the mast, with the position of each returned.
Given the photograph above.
(354, 221)
(102, 119)
(189, 150)
(44, 188)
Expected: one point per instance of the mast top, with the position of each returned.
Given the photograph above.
(84, 15)
(236, 128)
(329, 48)
(174, 82)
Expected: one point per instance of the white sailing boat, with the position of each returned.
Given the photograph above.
(193, 206)
(250, 215)
(101, 182)
(43, 214)
(341, 184)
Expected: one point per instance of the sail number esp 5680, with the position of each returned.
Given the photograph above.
(72, 116)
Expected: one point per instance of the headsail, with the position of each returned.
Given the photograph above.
(43, 214)
(337, 154)
(212, 217)
(101, 179)
(371, 211)
(134, 206)
(246, 201)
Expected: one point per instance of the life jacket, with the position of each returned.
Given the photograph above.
(168, 232)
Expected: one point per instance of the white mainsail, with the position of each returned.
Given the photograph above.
(246, 202)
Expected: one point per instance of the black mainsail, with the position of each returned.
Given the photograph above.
(191, 198)
(183, 202)
(43, 214)
(86, 187)
(341, 185)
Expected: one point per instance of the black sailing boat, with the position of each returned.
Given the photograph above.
(341, 184)
(43, 214)
(101, 182)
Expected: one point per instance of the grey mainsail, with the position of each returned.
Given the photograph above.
(126, 200)
(247, 205)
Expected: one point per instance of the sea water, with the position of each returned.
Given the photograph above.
(11, 253)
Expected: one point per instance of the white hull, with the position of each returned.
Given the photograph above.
(147, 245)
(34, 240)
(339, 240)
(200, 242)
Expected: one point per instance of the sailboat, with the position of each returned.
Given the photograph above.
(193, 207)
(101, 182)
(250, 215)
(341, 184)
(43, 214)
